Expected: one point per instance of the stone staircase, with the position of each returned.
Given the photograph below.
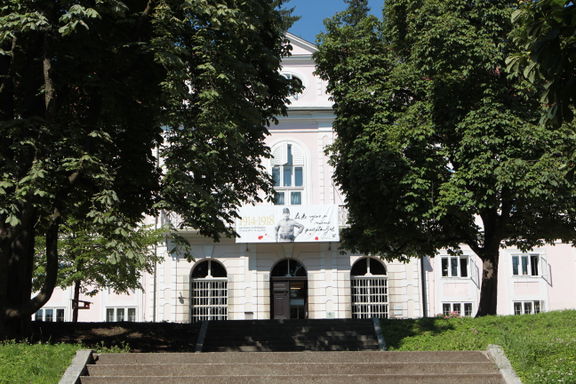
(361, 367)
(290, 335)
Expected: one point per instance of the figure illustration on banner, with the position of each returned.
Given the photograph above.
(287, 228)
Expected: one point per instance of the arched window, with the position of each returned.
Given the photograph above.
(288, 174)
(369, 289)
(290, 76)
(209, 291)
(289, 268)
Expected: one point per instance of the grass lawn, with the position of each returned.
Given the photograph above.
(541, 348)
(34, 363)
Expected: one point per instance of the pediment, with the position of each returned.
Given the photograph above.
(301, 46)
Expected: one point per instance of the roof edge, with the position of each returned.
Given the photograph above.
(301, 41)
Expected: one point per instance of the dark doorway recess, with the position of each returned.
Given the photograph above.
(289, 290)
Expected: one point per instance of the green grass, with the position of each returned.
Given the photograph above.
(22, 363)
(541, 348)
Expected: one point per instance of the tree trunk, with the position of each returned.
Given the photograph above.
(4, 255)
(75, 302)
(17, 308)
(20, 260)
(489, 291)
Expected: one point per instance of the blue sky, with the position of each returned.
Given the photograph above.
(313, 12)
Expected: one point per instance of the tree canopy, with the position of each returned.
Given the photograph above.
(92, 94)
(545, 32)
(436, 145)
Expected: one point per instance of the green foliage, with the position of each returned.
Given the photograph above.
(92, 94)
(34, 363)
(98, 262)
(540, 347)
(436, 146)
(545, 31)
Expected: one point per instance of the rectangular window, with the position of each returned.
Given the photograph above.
(527, 307)
(525, 265)
(298, 177)
(455, 266)
(288, 176)
(463, 267)
(534, 265)
(455, 309)
(295, 198)
(515, 261)
(109, 315)
(524, 259)
(444, 266)
(120, 314)
(279, 198)
(131, 314)
(49, 314)
(276, 176)
(60, 314)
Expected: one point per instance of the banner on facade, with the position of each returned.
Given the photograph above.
(281, 224)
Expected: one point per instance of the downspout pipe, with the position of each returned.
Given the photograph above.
(424, 288)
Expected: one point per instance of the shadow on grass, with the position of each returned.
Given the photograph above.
(133, 337)
(396, 330)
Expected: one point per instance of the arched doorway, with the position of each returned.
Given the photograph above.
(289, 290)
(209, 291)
(369, 289)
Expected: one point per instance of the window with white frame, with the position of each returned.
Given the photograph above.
(528, 307)
(209, 287)
(369, 285)
(49, 314)
(526, 265)
(459, 309)
(288, 174)
(455, 266)
(114, 314)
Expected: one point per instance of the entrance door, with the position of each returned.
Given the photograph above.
(289, 299)
(289, 290)
(281, 299)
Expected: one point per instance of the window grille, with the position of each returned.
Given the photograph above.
(209, 299)
(369, 289)
(369, 297)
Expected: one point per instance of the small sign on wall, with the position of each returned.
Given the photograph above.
(281, 224)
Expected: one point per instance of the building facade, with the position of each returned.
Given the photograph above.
(288, 262)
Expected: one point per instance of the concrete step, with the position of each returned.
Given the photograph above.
(298, 379)
(286, 369)
(295, 336)
(292, 357)
(262, 347)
